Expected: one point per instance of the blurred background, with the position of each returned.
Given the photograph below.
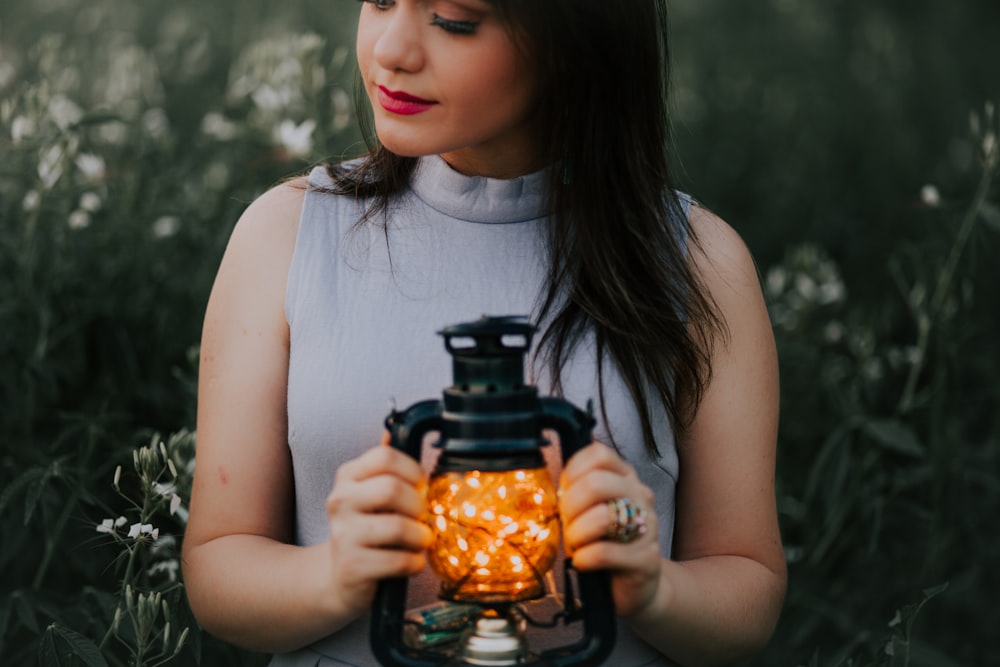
(852, 143)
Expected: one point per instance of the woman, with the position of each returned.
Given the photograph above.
(520, 167)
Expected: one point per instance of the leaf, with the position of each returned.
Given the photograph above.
(990, 214)
(25, 612)
(82, 647)
(27, 477)
(894, 435)
(908, 614)
(831, 448)
(47, 654)
(34, 493)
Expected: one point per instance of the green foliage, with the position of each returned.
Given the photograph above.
(836, 137)
(889, 436)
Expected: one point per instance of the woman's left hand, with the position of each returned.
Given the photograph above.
(593, 485)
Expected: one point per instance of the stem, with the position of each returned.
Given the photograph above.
(50, 545)
(926, 323)
(146, 511)
(71, 504)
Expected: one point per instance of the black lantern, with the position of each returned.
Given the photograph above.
(493, 509)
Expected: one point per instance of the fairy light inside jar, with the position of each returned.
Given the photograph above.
(496, 534)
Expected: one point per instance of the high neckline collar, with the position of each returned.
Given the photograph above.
(478, 198)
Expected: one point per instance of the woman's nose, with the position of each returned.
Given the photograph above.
(399, 46)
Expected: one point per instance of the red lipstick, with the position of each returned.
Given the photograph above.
(404, 104)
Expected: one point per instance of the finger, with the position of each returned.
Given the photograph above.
(595, 456)
(640, 556)
(385, 493)
(394, 531)
(595, 488)
(597, 521)
(589, 526)
(373, 564)
(382, 460)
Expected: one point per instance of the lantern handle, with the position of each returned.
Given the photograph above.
(408, 428)
(575, 429)
(406, 433)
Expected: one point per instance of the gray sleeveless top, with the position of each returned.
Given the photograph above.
(363, 312)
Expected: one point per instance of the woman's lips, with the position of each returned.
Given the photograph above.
(404, 104)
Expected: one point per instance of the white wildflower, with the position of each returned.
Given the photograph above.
(271, 99)
(806, 286)
(64, 112)
(21, 128)
(168, 567)
(78, 219)
(91, 166)
(831, 291)
(776, 279)
(90, 201)
(990, 147)
(155, 123)
(113, 132)
(137, 530)
(50, 165)
(31, 201)
(163, 547)
(7, 73)
(930, 196)
(169, 491)
(106, 526)
(217, 126)
(297, 139)
(166, 226)
(120, 521)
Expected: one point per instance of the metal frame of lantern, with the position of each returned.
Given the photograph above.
(492, 507)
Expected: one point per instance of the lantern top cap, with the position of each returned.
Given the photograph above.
(512, 332)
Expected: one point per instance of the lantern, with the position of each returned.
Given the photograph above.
(493, 510)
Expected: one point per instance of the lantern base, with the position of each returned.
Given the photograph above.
(496, 639)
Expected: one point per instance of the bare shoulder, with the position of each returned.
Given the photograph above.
(250, 284)
(720, 256)
(272, 219)
(260, 248)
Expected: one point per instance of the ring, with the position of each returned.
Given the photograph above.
(627, 520)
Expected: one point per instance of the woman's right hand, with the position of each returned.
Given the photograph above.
(376, 531)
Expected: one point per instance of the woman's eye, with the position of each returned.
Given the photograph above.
(380, 4)
(456, 27)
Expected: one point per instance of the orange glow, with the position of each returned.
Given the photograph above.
(496, 534)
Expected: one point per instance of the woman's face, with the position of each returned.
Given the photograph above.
(444, 77)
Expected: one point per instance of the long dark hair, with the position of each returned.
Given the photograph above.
(618, 240)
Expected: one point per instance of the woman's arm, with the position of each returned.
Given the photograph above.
(719, 597)
(246, 583)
